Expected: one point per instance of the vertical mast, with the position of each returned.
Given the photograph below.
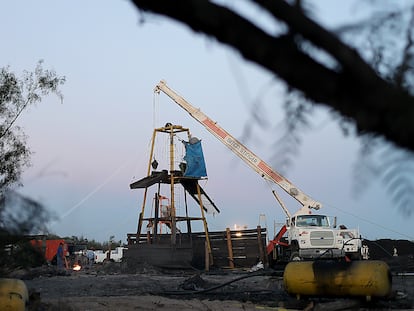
(172, 204)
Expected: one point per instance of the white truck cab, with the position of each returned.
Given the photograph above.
(313, 236)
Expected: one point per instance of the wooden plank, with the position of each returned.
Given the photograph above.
(229, 248)
(206, 257)
(157, 255)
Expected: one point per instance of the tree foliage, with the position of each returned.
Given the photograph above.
(16, 94)
(342, 79)
(89, 244)
(362, 72)
(19, 215)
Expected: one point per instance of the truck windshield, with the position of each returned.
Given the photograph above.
(312, 220)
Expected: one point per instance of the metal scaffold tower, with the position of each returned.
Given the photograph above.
(168, 209)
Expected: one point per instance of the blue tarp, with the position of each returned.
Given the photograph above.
(196, 167)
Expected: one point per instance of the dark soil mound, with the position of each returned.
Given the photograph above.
(399, 254)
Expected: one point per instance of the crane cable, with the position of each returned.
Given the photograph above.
(268, 182)
(372, 222)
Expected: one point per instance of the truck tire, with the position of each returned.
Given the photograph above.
(294, 251)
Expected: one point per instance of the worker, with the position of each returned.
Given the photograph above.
(365, 252)
(149, 228)
(90, 254)
(60, 256)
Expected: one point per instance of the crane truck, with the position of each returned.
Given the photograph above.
(305, 235)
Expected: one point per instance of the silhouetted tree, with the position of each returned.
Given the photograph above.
(19, 215)
(363, 72)
(341, 79)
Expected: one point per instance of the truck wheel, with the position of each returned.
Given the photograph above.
(295, 257)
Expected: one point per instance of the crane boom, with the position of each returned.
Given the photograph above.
(257, 164)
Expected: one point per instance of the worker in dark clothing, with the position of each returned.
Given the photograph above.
(59, 256)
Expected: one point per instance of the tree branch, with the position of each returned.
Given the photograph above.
(354, 90)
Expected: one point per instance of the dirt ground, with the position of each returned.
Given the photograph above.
(109, 287)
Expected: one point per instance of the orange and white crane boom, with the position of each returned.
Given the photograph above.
(257, 164)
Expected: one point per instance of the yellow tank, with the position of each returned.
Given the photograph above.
(338, 279)
(13, 295)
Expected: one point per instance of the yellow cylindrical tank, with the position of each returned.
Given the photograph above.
(363, 278)
(13, 295)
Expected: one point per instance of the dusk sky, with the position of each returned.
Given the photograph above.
(88, 149)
